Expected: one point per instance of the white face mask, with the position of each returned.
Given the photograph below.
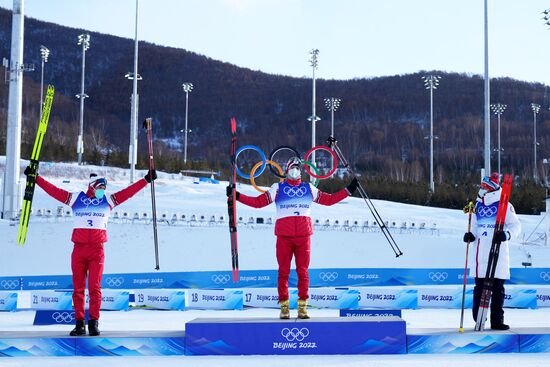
(294, 173)
(481, 193)
(99, 193)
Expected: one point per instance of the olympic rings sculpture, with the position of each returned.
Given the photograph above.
(255, 148)
(271, 163)
(276, 169)
(277, 150)
(314, 181)
(334, 161)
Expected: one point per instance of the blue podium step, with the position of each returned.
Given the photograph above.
(334, 335)
(515, 340)
(123, 343)
(272, 336)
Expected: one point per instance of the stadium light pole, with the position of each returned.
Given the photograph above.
(498, 109)
(132, 151)
(332, 105)
(546, 16)
(84, 41)
(11, 198)
(431, 82)
(487, 102)
(44, 53)
(536, 108)
(314, 62)
(187, 88)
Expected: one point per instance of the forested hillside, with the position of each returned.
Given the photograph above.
(380, 125)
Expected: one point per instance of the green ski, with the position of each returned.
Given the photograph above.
(31, 178)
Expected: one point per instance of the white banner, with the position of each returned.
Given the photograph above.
(112, 300)
(387, 297)
(437, 297)
(334, 298)
(267, 297)
(215, 299)
(543, 297)
(51, 300)
(520, 297)
(162, 299)
(8, 301)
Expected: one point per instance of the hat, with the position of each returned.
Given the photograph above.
(490, 183)
(293, 162)
(96, 181)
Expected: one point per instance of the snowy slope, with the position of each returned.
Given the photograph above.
(206, 247)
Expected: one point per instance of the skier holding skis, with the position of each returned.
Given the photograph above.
(91, 210)
(483, 224)
(294, 228)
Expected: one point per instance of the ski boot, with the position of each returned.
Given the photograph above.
(285, 310)
(302, 309)
(79, 329)
(500, 326)
(93, 328)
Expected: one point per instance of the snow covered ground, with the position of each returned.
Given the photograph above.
(204, 247)
(184, 247)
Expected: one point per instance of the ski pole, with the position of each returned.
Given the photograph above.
(383, 228)
(468, 209)
(148, 125)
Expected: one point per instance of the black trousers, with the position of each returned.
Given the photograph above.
(497, 300)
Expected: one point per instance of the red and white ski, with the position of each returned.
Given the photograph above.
(232, 203)
(493, 254)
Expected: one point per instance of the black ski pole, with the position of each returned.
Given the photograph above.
(470, 210)
(332, 143)
(148, 125)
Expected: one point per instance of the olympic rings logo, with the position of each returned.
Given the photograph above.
(295, 191)
(437, 276)
(328, 276)
(220, 279)
(63, 317)
(545, 276)
(9, 284)
(93, 201)
(114, 281)
(487, 211)
(295, 334)
(276, 169)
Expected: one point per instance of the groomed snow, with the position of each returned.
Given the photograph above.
(186, 248)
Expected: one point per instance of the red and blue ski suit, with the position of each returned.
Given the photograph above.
(293, 227)
(89, 234)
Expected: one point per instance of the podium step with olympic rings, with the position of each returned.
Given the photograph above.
(268, 336)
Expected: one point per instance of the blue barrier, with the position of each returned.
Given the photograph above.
(330, 277)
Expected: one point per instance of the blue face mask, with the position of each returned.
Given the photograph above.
(99, 193)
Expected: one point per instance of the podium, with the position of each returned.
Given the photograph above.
(263, 336)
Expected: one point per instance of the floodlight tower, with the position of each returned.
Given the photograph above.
(498, 109)
(187, 88)
(84, 41)
(332, 105)
(44, 53)
(431, 82)
(536, 108)
(314, 62)
(132, 155)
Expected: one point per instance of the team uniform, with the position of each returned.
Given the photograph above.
(293, 227)
(483, 224)
(89, 235)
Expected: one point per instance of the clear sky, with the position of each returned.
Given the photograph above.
(356, 38)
